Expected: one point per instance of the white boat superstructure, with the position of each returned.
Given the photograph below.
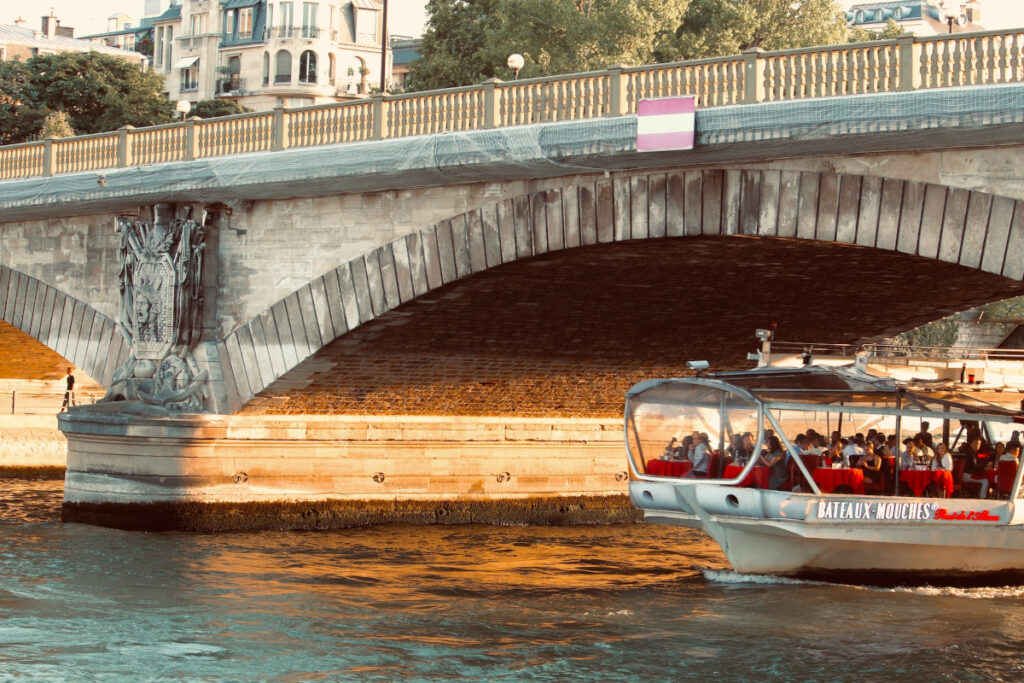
(811, 529)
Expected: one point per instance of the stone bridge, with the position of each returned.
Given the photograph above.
(526, 272)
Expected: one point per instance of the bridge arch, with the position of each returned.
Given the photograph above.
(68, 326)
(969, 228)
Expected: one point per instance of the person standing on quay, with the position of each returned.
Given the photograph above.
(69, 393)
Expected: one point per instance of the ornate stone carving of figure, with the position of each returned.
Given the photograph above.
(161, 286)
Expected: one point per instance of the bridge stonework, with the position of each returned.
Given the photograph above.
(968, 228)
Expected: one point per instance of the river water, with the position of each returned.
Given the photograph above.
(639, 602)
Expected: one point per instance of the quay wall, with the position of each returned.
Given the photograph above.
(312, 472)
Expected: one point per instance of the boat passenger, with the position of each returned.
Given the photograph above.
(701, 457)
(737, 451)
(775, 459)
(871, 464)
(835, 455)
(854, 449)
(1011, 454)
(908, 455)
(942, 460)
(925, 453)
(974, 477)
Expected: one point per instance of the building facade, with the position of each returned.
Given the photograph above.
(265, 54)
(920, 17)
(19, 41)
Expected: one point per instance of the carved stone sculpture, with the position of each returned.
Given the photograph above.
(161, 286)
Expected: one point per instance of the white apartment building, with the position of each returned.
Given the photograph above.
(266, 54)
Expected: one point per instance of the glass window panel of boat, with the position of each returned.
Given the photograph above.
(674, 411)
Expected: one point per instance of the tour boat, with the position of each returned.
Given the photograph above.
(824, 528)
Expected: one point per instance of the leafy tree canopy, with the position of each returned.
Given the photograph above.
(97, 92)
(209, 109)
(469, 41)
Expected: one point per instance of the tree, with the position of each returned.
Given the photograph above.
(862, 35)
(712, 28)
(97, 93)
(20, 117)
(469, 41)
(56, 125)
(209, 109)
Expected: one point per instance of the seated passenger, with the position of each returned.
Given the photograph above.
(670, 450)
(908, 456)
(871, 464)
(701, 457)
(974, 477)
(942, 460)
(775, 459)
(1012, 453)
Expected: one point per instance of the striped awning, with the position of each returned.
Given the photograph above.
(185, 62)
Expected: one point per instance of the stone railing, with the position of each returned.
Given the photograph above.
(902, 64)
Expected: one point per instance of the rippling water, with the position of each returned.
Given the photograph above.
(469, 602)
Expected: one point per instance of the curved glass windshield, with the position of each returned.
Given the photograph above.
(675, 427)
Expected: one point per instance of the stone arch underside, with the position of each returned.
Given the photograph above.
(967, 228)
(71, 328)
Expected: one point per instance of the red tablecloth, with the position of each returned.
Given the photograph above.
(759, 476)
(918, 480)
(669, 468)
(828, 479)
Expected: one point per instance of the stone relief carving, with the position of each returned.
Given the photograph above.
(161, 287)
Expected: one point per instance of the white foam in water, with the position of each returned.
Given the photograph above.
(981, 593)
(729, 576)
(987, 593)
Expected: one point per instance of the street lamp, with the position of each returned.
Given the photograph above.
(949, 12)
(515, 62)
(183, 107)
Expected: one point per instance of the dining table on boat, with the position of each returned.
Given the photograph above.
(918, 480)
(669, 468)
(759, 476)
(829, 479)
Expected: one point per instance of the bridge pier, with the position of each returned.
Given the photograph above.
(132, 467)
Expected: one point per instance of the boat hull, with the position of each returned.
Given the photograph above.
(774, 532)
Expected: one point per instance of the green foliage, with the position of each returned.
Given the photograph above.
(712, 28)
(1006, 309)
(862, 35)
(97, 92)
(56, 125)
(939, 333)
(469, 41)
(209, 109)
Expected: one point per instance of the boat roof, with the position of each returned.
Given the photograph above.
(827, 388)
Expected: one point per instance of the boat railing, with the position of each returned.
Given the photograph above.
(892, 351)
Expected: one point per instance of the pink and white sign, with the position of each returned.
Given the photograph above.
(666, 123)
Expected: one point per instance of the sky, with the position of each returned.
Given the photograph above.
(405, 17)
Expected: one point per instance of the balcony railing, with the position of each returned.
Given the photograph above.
(903, 64)
(293, 32)
(230, 86)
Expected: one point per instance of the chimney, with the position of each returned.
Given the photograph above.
(50, 25)
(19, 22)
(973, 11)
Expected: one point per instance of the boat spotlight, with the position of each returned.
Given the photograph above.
(698, 365)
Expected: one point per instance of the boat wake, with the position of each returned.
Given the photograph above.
(971, 588)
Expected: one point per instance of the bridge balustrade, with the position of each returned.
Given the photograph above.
(901, 64)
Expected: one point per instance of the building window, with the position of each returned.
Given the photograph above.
(158, 49)
(245, 22)
(366, 26)
(199, 24)
(190, 77)
(169, 48)
(283, 67)
(266, 68)
(229, 24)
(309, 28)
(331, 67)
(285, 19)
(307, 67)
